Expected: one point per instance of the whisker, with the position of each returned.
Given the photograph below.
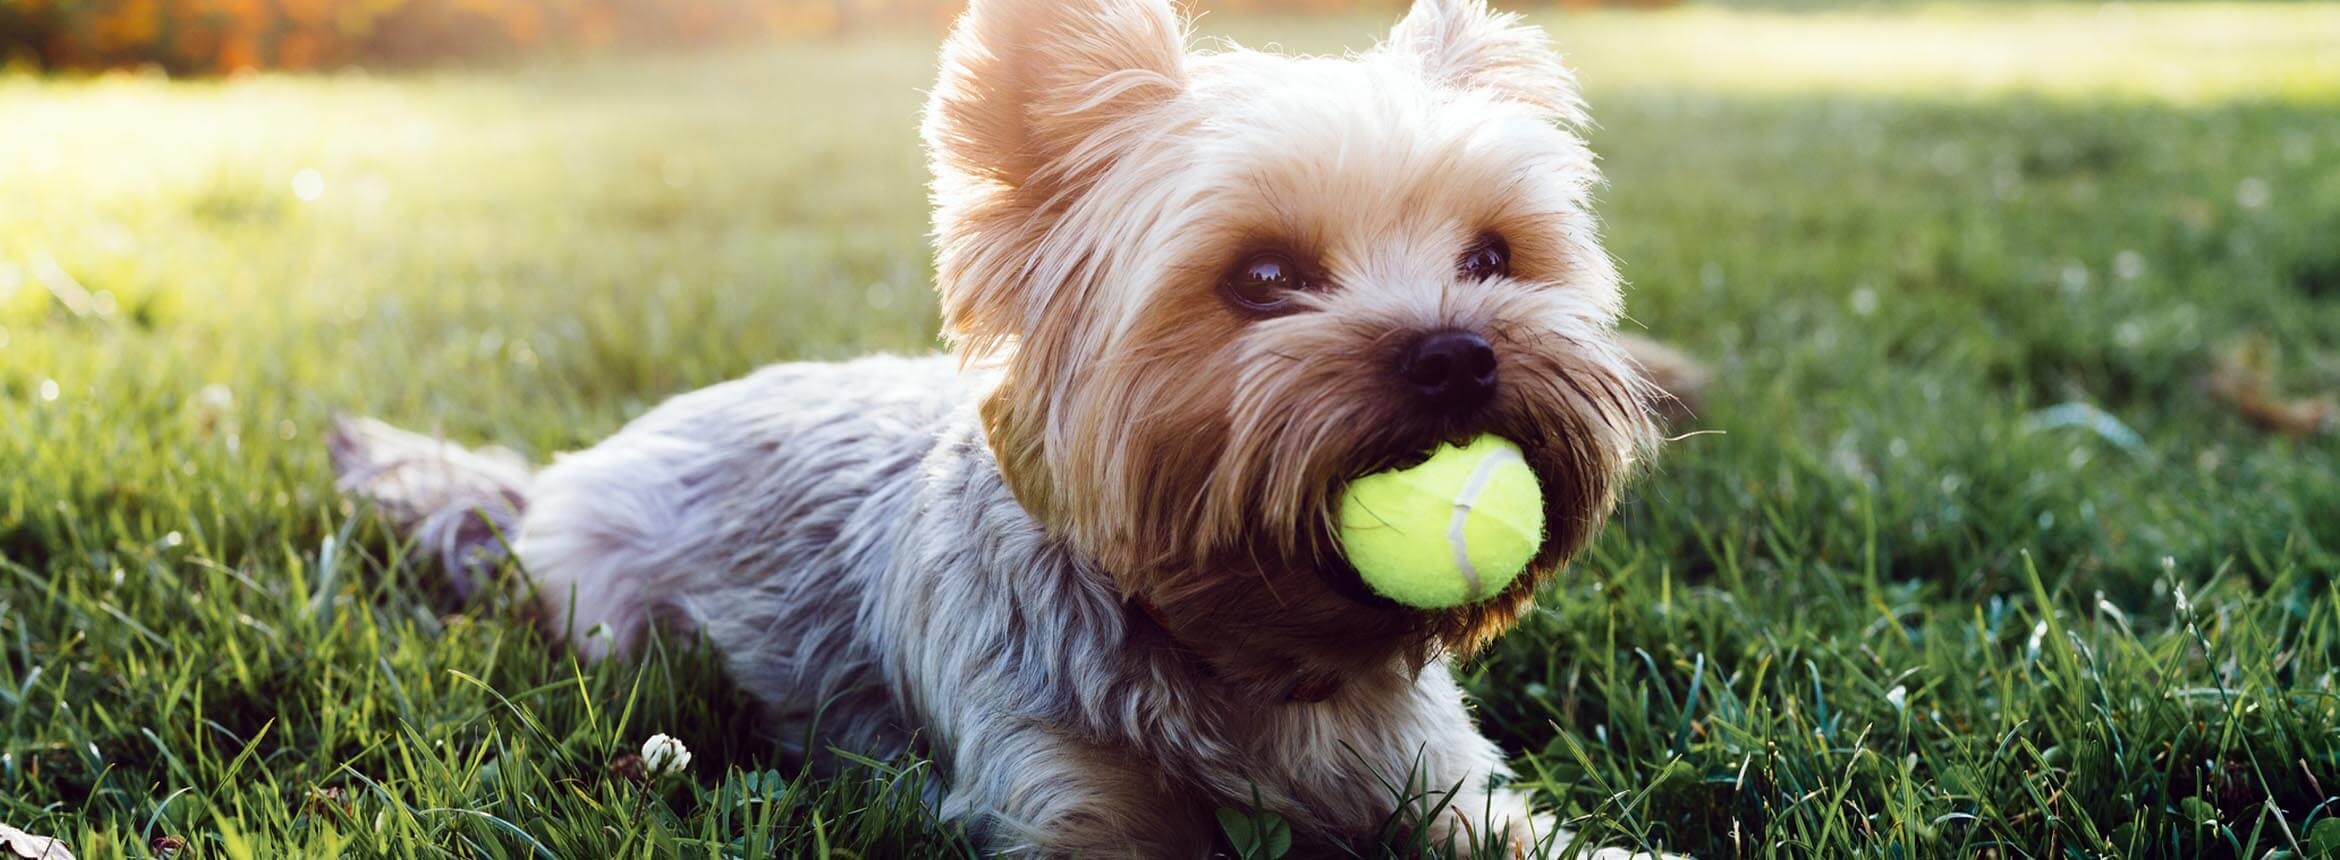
(1695, 434)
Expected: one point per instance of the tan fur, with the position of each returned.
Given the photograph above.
(1087, 565)
(1197, 453)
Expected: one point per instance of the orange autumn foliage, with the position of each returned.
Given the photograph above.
(223, 36)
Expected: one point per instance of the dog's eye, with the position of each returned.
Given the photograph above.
(1490, 258)
(1264, 282)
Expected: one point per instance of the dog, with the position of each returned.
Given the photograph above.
(1086, 561)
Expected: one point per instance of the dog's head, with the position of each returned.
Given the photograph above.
(1220, 285)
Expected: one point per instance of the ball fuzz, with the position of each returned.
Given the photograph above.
(1453, 530)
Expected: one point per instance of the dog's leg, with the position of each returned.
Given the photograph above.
(1034, 792)
(1452, 755)
(1480, 809)
(1443, 751)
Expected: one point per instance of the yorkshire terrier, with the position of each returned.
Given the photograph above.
(1087, 562)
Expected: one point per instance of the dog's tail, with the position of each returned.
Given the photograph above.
(1674, 372)
(462, 505)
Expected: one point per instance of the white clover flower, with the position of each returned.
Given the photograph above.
(662, 755)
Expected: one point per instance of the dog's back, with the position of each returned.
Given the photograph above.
(753, 511)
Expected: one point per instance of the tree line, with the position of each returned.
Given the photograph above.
(225, 36)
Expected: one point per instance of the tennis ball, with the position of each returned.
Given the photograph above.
(1453, 530)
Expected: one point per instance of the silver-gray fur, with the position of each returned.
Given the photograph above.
(894, 554)
(841, 533)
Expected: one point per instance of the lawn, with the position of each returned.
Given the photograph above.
(1971, 561)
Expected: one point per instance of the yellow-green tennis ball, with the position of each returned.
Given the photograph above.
(1454, 530)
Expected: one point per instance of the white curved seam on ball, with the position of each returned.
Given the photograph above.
(1469, 495)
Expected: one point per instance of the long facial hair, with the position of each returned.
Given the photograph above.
(1093, 183)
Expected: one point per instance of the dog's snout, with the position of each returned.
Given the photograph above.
(1452, 371)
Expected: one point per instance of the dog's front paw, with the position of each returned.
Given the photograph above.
(1536, 835)
(1629, 854)
(1559, 845)
(1526, 833)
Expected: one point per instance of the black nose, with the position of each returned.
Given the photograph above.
(1454, 371)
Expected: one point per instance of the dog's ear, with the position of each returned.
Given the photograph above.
(1464, 44)
(1036, 98)
(1028, 83)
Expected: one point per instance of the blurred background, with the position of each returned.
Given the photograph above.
(2015, 530)
(212, 36)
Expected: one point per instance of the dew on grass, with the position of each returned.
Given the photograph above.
(2105, 605)
(2074, 278)
(308, 185)
(49, 391)
(69, 292)
(2298, 148)
(2252, 193)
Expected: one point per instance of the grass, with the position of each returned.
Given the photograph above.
(1894, 609)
